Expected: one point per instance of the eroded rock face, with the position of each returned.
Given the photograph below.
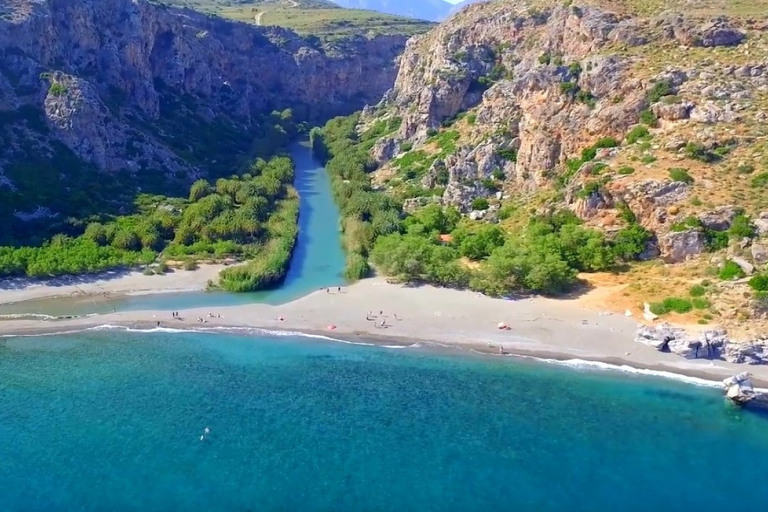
(141, 52)
(721, 218)
(441, 73)
(665, 338)
(677, 247)
(747, 353)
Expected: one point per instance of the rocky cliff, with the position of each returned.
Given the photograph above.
(121, 84)
(618, 112)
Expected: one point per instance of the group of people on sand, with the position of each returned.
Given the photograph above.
(210, 315)
(371, 317)
(328, 289)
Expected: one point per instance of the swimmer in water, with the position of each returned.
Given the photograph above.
(207, 430)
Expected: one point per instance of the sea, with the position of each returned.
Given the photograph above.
(114, 419)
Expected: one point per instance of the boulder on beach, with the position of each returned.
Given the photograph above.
(666, 338)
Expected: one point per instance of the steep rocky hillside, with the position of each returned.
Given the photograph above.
(649, 113)
(101, 96)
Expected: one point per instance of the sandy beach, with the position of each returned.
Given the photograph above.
(110, 283)
(560, 329)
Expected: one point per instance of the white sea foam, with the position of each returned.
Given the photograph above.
(27, 316)
(598, 365)
(581, 364)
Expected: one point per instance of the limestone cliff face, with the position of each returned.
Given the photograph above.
(102, 51)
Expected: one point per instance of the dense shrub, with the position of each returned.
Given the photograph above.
(480, 203)
(697, 290)
(742, 227)
(626, 170)
(637, 133)
(671, 305)
(648, 118)
(700, 303)
(731, 271)
(679, 174)
(659, 90)
(760, 181)
(759, 283)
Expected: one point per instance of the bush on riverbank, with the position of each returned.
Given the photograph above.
(365, 214)
(233, 217)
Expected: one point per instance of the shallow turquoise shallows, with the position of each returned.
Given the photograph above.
(317, 262)
(112, 420)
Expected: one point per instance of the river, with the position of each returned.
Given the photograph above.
(317, 261)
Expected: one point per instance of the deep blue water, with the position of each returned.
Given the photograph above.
(112, 421)
(317, 261)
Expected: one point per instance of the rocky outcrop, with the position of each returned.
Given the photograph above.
(721, 218)
(707, 344)
(739, 388)
(463, 64)
(755, 352)
(666, 338)
(118, 63)
(679, 246)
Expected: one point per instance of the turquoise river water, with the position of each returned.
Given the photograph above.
(111, 419)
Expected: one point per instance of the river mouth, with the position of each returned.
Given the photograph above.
(317, 261)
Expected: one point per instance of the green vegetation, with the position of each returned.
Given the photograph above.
(626, 170)
(731, 271)
(480, 203)
(671, 305)
(700, 303)
(638, 133)
(680, 174)
(759, 283)
(57, 89)
(742, 227)
(231, 218)
(760, 181)
(697, 290)
(696, 151)
(686, 224)
(314, 18)
(545, 256)
(659, 90)
(648, 118)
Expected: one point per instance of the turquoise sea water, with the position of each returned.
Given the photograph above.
(111, 420)
(317, 261)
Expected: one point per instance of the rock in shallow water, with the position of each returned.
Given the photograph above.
(739, 388)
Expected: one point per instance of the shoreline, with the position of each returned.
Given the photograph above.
(549, 329)
(704, 376)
